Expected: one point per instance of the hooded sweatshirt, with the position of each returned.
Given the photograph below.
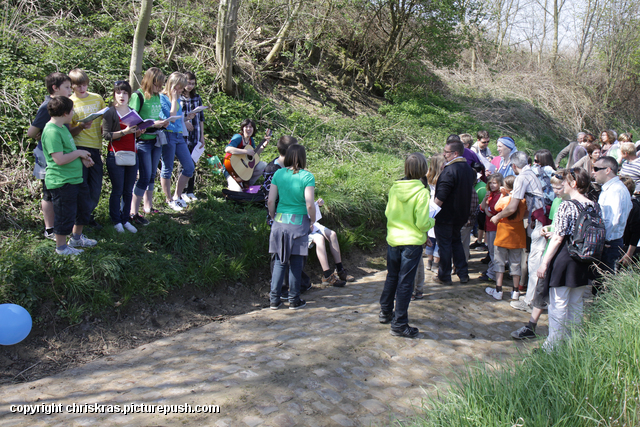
(408, 213)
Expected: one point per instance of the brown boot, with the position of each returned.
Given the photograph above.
(342, 274)
(333, 280)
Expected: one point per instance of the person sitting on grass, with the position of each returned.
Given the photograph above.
(318, 236)
(69, 192)
(408, 221)
(511, 238)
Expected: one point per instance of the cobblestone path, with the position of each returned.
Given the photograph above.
(329, 364)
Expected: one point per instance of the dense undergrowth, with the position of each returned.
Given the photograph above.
(593, 379)
(355, 157)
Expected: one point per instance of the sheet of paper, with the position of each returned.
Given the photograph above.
(197, 153)
(198, 109)
(433, 209)
(174, 118)
(318, 214)
(94, 116)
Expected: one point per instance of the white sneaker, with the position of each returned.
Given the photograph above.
(180, 202)
(175, 205)
(119, 228)
(82, 242)
(186, 198)
(492, 292)
(69, 251)
(515, 295)
(50, 236)
(192, 196)
(130, 228)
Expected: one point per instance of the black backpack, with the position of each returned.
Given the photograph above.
(141, 98)
(587, 241)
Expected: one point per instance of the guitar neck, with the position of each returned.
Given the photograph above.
(262, 145)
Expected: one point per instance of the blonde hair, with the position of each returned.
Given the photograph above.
(466, 139)
(436, 163)
(627, 148)
(78, 77)
(625, 137)
(555, 180)
(152, 77)
(175, 79)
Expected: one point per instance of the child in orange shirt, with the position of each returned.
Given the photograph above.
(509, 242)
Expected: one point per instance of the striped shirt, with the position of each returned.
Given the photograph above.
(632, 170)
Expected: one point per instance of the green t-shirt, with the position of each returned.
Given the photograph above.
(552, 214)
(151, 109)
(481, 190)
(291, 190)
(54, 140)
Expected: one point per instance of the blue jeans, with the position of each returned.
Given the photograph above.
(450, 244)
(122, 181)
(402, 266)
(176, 147)
(295, 264)
(148, 158)
(93, 176)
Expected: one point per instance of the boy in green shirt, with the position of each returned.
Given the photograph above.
(69, 193)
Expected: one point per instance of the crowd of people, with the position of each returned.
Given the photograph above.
(70, 127)
(526, 213)
(523, 211)
(71, 124)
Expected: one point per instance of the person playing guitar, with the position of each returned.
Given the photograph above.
(242, 157)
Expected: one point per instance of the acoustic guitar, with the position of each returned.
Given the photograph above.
(240, 166)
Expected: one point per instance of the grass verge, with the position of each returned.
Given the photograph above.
(593, 379)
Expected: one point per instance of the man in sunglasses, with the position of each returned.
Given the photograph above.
(482, 145)
(615, 202)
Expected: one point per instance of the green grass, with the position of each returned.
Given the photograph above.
(593, 379)
(354, 160)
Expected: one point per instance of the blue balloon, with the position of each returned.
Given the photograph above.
(15, 324)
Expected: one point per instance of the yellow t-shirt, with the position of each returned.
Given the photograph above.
(92, 137)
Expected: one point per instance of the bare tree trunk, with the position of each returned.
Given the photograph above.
(225, 38)
(284, 32)
(135, 67)
(556, 24)
(473, 58)
(590, 25)
(544, 34)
